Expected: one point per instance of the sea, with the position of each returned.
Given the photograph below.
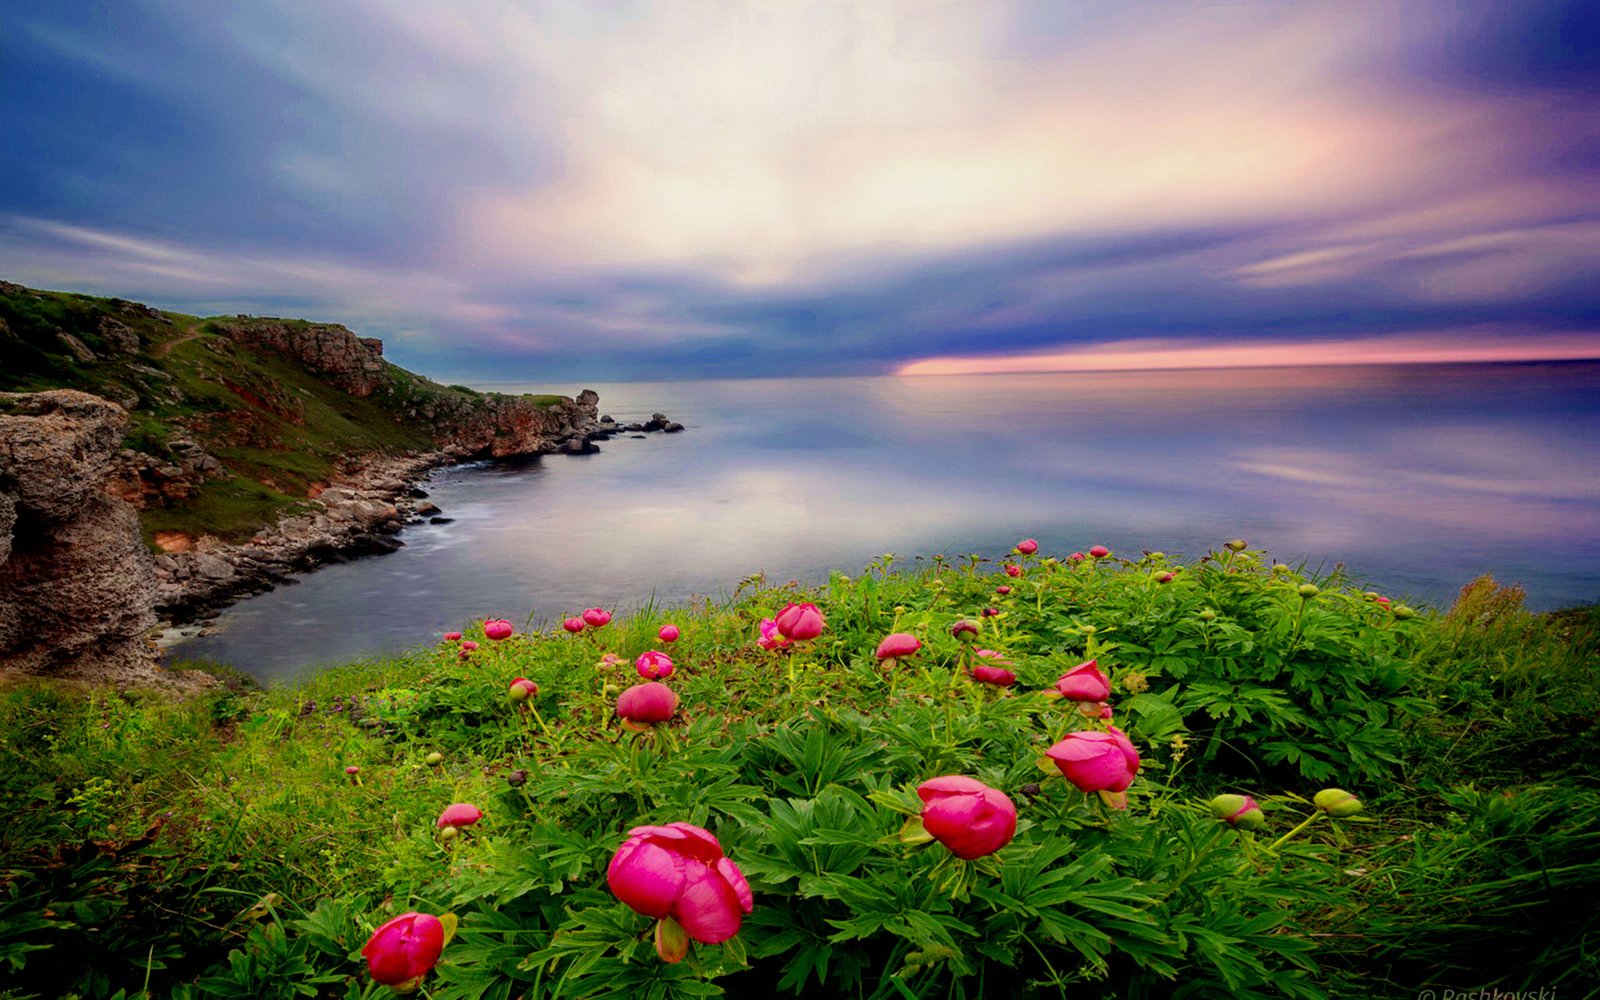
(1415, 478)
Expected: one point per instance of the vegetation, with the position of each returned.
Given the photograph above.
(277, 428)
(217, 846)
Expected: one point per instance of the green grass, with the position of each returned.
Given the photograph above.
(1471, 864)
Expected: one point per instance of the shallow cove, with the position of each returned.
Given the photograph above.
(1417, 477)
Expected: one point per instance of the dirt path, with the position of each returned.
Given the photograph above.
(189, 333)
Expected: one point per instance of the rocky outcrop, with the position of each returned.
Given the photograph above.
(493, 425)
(358, 514)
(77, 588)
(354, 364)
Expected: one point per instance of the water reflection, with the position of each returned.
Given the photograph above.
(1418, 478)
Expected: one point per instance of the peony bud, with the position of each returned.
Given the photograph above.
(573, 625)
(1238, 810)
(645, 704)
(995, 671)
(1337, 802)
(522, 689)
(668, 633)
(1402, 612)
(1002, 590)
(1099, 552)
(1013, 570)
(1237, 545)
(1164, 577)
(434, 759)
(452, 637)
(468, 646)
(352, 770)
(1308, 590)
(497, 629)
(967, 816)
(597, 617)
(404, 950)
(1084, 682)
(517, 778)
(898, 645)
(1027, 546)
(459, 814)
(989, 612)
(1207, 615)
(964, 630)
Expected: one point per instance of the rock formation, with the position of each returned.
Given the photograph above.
(77, 587)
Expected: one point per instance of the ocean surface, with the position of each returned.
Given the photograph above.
(1417, 478)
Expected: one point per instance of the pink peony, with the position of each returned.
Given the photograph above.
(522, 689)
(459, 814)
(679, 871)
(964, 630)
(800, 622)
(646, 704)
(1002, 590)
(468, 646)
(597, 617)
(967, 816)
(497, 629)
(452, 637)
(771, 638)
(1013, 570)
(995, 671)
(404, 949)
(573, 625)
(1099, 552)
(653, 665)
(1027, 546)
(1096, 761)
(1084, 682)
(898, 645)
(1076, 557)
(668, 633)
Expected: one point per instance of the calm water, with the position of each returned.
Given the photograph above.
(1418, 478)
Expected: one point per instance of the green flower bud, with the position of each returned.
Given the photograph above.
(1309, 590)
(449, 833)
(1402, 612)
(1088, 630)
(1208, 615)
(434, 759)
(1281, 568)
(1337, 802)
(1237, 545)
(1238, 810)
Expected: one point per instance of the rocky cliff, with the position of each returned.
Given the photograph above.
(77, 586)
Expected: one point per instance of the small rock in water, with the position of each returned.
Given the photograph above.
(441, 520)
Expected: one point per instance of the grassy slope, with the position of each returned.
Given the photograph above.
(1479, 843)
(277, 427)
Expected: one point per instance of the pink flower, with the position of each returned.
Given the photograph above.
(1096, 761)
(1099, 552)
(1084, 682)
(352, 769)
(465, 654)
(994, 672)
(452, 637)
(404, 949)
(964, 630)
(898, 645)
(645, 704)
(1076, 557)
(573, 625)
(459, 814)
(1013, 570)
(770, 637)
(597, 617)
(1027, 546)
(468, 646)
(522, 689)
(1002, 590)
(967, 816)
(1164, 578)
(990, 612)
(654, 665)
(668, 633)
(800, 622)
(679, 871)
(497, 629)
(1381, 600)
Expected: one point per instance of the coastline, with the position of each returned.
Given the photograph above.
(360, 513)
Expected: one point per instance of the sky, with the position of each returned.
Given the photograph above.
(530, 191)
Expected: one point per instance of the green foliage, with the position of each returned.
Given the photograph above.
(217, 847)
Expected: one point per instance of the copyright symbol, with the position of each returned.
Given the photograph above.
(1427, 995)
